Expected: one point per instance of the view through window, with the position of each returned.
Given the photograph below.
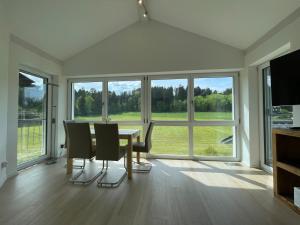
(32, 117)
(192, 115)
(88, 101)
(213, 101)
(124, 100)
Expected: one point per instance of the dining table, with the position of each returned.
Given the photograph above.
(124, 134)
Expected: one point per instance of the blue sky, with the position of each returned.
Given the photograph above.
(219, 84)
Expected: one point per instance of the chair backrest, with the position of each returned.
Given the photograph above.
(107, 141)
(66, 134)
(148, 142)
(79, 140)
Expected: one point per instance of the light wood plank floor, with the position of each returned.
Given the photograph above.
(175, 192)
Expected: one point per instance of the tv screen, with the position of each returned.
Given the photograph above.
(285, 79)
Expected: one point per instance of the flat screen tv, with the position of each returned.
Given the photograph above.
(285, 79)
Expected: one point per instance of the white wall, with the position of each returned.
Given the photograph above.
(286, 38)
(22, 56)
(4, 49)
(153, 47)
(249, 120)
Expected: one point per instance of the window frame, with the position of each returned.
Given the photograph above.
(190, 123)
(50, 131)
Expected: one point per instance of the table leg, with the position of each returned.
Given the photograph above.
(138, 155)
(69, 166)
(129, 158)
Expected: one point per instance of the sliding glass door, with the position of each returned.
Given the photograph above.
(32, 118)
(273, 116)
(193, 115)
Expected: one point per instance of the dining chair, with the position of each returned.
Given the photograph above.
(75, 166)
(108, 149)
(79, 143)
(143, 147)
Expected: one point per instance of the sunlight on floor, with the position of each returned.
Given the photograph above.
(221, 180)
(183, 164)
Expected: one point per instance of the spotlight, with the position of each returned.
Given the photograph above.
(140, 2)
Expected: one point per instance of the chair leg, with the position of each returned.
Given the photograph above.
(125, 166)
(138, 157)
(76, 166)
(79, 166)
(75, 178)
(110, 181)
(141, 167)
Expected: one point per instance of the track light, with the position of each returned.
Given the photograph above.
(141, 3)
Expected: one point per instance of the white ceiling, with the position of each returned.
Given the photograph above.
(63, 28)
(238, 23)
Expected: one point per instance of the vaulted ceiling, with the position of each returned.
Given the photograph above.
(63, 28)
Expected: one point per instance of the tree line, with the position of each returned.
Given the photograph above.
(164, 99)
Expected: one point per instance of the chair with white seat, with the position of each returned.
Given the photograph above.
(143, 147)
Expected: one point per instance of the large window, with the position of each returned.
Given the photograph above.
(87, 103)
(124, 100)
(192, 115)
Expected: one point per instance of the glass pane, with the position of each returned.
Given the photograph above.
(169, 99)
(267, 118)
(124, 101)
(282, 116)
(88, 101)
(213, 141)
(213, 98)
(32, 117)
(170, 140)
(274, 116)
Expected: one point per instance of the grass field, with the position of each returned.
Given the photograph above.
(131, 116)
(166, 139)
(30, 143)
(174, 139)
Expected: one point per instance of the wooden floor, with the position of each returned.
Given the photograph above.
(175, 192)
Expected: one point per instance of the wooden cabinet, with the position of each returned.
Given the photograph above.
(286, 164)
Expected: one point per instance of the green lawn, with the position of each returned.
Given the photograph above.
(201, 116)
(166, 139)
(174, 139)
(30, 144)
